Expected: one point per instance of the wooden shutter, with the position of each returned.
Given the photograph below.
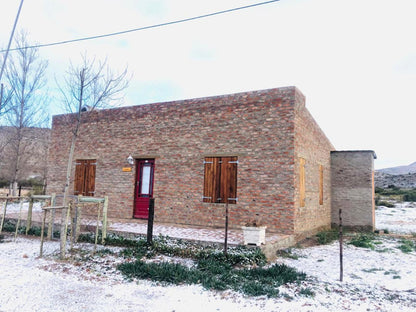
(84, 182)
(220, 180)
(79, 177)
(228, 191)
(90, 177)
(321, 185)
(302, 182)
(211, 179)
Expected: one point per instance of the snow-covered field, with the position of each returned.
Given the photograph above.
(374, 280)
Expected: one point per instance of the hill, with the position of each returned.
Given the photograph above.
(400, 169)
(385, 180)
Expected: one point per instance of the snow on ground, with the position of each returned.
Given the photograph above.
(400, 219)
(374, 280)
(15, 207)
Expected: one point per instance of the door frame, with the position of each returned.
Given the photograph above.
(138, 184)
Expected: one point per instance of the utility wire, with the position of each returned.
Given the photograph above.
(145, 27)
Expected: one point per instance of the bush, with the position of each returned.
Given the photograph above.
(407, 194)
(4, 183)
(363, 240)
(307, 292)
(9, 226)
(407, 246)
(216, 275)
(327, 237)
(214, 269)
(410, 196)
(385, 204)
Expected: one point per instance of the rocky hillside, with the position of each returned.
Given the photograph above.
(384, 180)
(400, 169)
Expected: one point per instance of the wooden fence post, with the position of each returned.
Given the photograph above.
(51, 225)
(97, 227)
(104, 226)
(29, 215)
(4, 214)
(18, 218)
(41, 233)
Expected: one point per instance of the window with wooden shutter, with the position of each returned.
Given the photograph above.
(302, 191)
(84, 183)
(321, 185)
(220, 180)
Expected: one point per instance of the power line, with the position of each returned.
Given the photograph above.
(145, 27)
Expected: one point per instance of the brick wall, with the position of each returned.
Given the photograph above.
(33, 152)
(258, 127)
(313, 146)
(353, 188)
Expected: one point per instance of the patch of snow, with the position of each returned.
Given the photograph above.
(401, 219)
(15, 207)
(374, 280)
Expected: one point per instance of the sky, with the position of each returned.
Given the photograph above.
(355, 60)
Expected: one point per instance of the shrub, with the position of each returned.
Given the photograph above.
(410, 196)
(363, 240)
(327, 237)
(385, 204)
(9, 226)
(307, 292)
(287, 253)
(216, 275)
(407, 246)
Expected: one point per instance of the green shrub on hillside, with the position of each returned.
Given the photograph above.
(405, 194)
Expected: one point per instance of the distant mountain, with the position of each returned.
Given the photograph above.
(400, 169)
(385, 180)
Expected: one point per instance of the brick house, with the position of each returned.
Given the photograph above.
(261, 151)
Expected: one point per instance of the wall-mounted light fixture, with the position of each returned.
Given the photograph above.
(130, 160)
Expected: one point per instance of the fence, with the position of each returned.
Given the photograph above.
(49, 206)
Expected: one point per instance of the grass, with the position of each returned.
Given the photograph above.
(287, 253)
(307, 292)
(397, 193)
(138, 248)
(364, 240)
(241, 269)
(372, 270)
(10, 226)
(407, 245)
(385, 204)
(327, 237)
(216, 275)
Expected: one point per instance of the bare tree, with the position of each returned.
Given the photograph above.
(86, 87)
(25, 79)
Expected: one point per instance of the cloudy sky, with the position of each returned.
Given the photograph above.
(354, 60)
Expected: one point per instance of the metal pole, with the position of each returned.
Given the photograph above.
(150, 221)
(226, 228)
(10, 40)
(341, 264)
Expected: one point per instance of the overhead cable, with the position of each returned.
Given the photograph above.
(145, 27)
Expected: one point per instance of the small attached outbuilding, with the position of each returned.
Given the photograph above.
(261, 152)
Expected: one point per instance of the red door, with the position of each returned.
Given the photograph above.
(144, 187)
